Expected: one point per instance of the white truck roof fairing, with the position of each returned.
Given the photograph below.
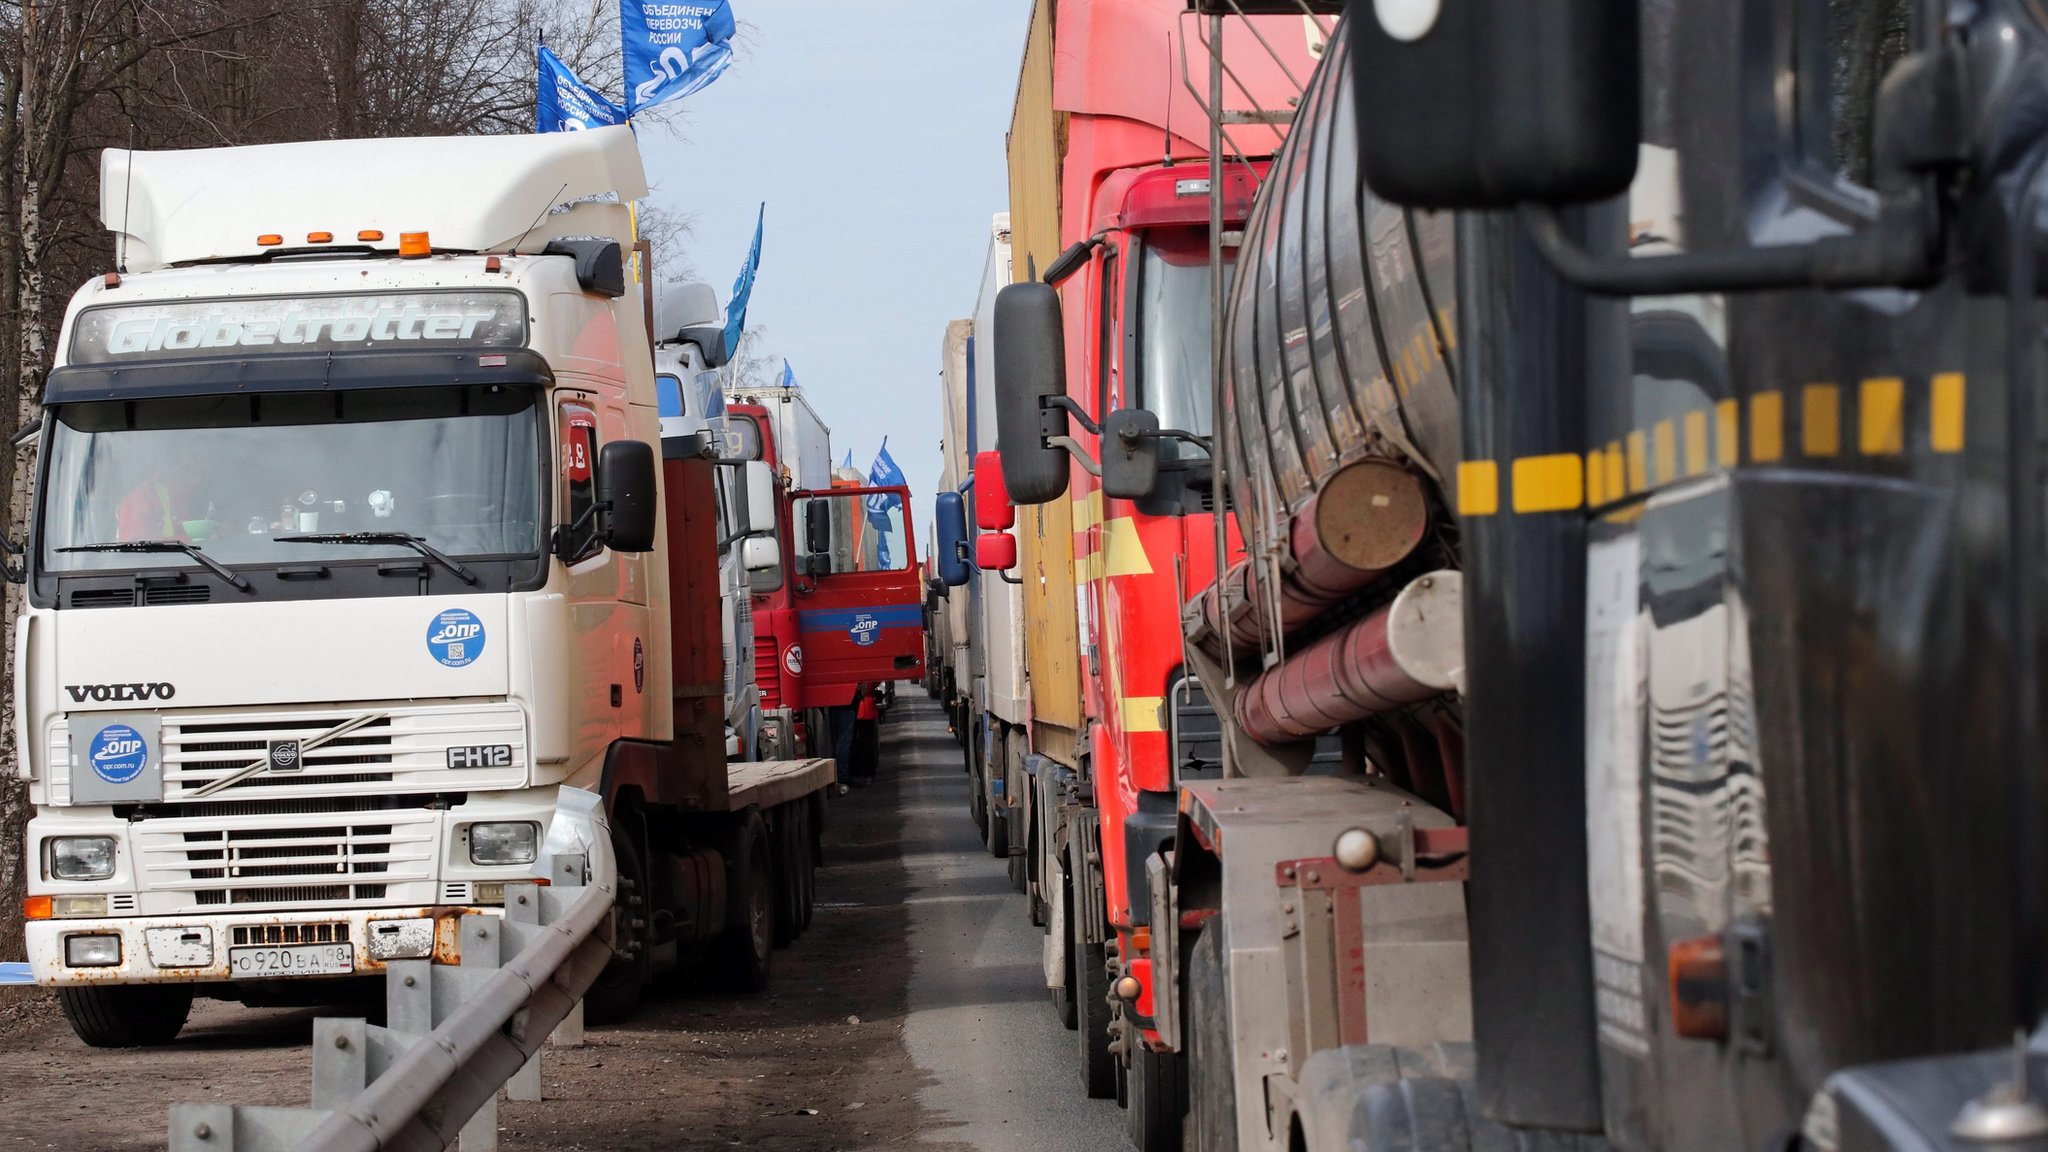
(468, 193)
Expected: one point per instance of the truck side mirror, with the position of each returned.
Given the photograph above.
(759, 553)
(760, 482)
(1529, 102)
(818, 527)
(626, 490)
(1130, 454)
(951, 557)
(995, 552)
(993, 511)
(1031, 368)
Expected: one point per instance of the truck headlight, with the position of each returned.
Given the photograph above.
(510, 843)
(92, 951)
(81, 857)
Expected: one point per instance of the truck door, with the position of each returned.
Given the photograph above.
(859, 604)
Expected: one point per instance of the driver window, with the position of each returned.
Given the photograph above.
(579, 479)
(853, 534)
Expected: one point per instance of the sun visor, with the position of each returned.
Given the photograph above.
(468, 193)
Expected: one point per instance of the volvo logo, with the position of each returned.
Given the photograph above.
(284, 756)
(103, 693)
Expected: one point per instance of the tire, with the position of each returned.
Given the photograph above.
(1091, 1008)
(741, 958)
(1212, 1067)
(807, 865)
(1157, 1099)
(1063, 993)
(615, 995)
(788, 868)
(126, 1015)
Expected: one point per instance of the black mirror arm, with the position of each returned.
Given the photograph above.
(1202, 442)
(1069, 262)
(576, 527)
(1074, 410)
(1899, 251)
(1074, 448)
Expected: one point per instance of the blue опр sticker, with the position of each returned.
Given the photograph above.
(456, 637)
(865, 629)
(118, 754)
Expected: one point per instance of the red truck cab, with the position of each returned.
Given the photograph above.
(844, 607)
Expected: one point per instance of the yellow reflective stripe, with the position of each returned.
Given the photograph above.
(1638, 465)
(1820, 420)
(1881, 416)
(1617, 471)
(1767, 427)
(1695, 442)
(1478, 488)
(1728, 432)
(1945, 420)
(1123, 550)
(1596, 478)
(1548, 483)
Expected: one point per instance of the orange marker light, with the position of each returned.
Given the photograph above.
(370, 235)
(269, 240)
(412, 245)
(319, 237)
(37, 908)
(1699, 988)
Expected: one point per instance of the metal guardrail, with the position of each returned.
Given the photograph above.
(455, 1034)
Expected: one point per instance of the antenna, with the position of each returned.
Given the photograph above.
(127, 202)
(544, 210)
(1169, 102)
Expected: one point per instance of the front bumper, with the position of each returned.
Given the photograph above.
(197, 948)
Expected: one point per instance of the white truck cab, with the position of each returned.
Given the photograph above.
(347, 552)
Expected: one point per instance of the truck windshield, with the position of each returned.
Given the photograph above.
(457, 467)
(1172, 295)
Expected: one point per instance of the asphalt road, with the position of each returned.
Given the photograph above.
(1002, 1072)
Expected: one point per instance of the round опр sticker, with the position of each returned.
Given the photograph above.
(118, 753)
(455, 637)
(865, 629)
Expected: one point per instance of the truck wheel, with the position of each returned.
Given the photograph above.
(807, 865)
(743, 953)
(1158, 1099)
(1063, 992)
(1212, 1068)
(126, 1015)
(1091, 1009)
(615, 995)
(789, 863)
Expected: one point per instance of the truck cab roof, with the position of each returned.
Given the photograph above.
(466, 193)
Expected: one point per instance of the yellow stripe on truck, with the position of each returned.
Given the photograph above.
(1697, 441)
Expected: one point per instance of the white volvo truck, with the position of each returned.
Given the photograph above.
(354, 541)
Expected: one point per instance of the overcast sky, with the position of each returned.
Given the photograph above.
(875, 134)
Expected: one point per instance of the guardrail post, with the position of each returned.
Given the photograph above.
(482, 951)
(570, 871)
(522, 906)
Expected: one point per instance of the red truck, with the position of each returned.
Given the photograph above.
(845, 607)
(1104, 105)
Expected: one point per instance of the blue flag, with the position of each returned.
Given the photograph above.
(566, 103)
(742, 288)
(673, 48)
(788, 377)
(885, 473)
(848, 462)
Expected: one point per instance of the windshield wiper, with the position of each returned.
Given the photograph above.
(187, 547)
(416, 543)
